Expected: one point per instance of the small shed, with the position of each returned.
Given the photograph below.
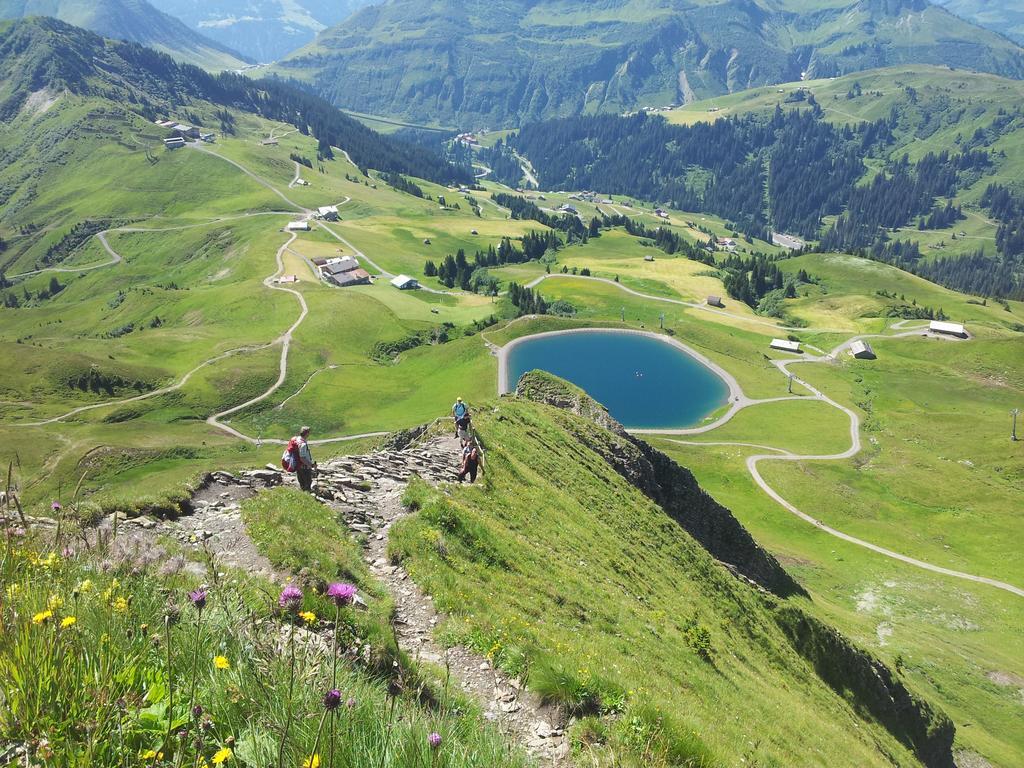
(648, 257)
(286, 279)
(297, 226)
(950, 329)
(862, 350)
(328, 212)
(175, 143)
(715, 301)
(785, 345)
(404, 283)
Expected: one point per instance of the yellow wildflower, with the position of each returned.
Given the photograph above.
(49, 561)
(222, 754)
(221, 662)
(308, 616)
(12, 590)
(120, 605)
(313, 761)
(68, 621)
(152, 754)
(42, 616)
(84, 586)
(54, 602)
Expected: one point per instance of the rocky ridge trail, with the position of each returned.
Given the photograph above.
(366, 492)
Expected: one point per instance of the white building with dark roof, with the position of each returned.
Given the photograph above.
(862, 350)
(405, 283)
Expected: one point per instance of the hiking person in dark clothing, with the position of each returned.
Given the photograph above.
(306, 465)
(470, 461)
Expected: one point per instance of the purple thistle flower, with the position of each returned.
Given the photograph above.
(434, 739)
(197, 711)
(332, 699)
(341, 594)
(56, 506)
(291, 598)
(198, 598)
(351, 703)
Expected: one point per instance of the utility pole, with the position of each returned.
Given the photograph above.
(663, 321)
(1013, 434)
(791, 383)
(623, 314)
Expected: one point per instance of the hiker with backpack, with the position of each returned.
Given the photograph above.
(470, 460)
(460, 413)
(298, 459)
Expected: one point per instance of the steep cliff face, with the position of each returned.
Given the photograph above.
(862, 678)
(669, 485)
(869, 685)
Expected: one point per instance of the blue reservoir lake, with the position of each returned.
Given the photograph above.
(645, 382)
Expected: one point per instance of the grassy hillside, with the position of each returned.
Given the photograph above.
(456, 60)
(610, 608)
(134, 20)
(182, 659)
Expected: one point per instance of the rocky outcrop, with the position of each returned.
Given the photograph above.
(669, 485)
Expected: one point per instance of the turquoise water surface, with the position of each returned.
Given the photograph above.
(645, 382)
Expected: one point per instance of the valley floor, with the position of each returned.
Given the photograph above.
(888, 487)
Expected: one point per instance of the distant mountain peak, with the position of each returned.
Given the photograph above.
(134, 20)
(487, 64)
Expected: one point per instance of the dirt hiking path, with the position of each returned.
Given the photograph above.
(366, 493)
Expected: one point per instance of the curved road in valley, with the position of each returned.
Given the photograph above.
(780, 454)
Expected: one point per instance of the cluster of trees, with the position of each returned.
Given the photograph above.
(526, 210)
(526, 300)
(73, 240)
(752, 278)
(402, 184)
(95, 380)
(1008, 209)
(807, 165)
(503, 163)
(458, 271)
(301, 160)
(897, 196)
(940, 218)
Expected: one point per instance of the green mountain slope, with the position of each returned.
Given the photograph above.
(478, 64)
(1004, 16)
(563, 564)
(134, 20)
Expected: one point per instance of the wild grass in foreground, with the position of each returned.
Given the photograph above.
(116, 655)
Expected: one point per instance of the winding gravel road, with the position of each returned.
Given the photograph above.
(779, 454)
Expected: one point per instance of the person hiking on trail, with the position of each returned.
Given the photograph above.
(460, 412)
(470, 461)
(304, 464)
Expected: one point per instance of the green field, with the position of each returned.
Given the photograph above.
(937, 480)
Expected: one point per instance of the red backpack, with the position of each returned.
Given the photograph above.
(290, 457)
